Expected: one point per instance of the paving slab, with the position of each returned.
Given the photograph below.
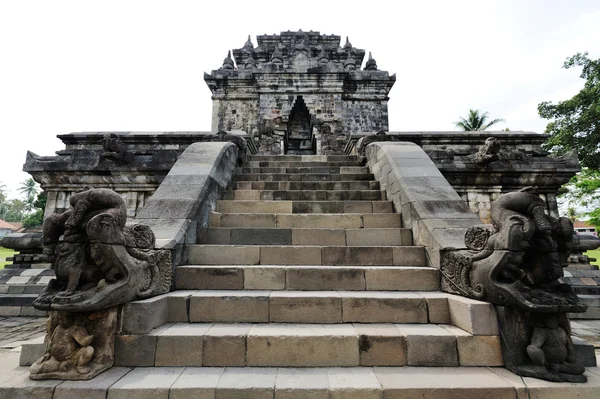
(145, 383)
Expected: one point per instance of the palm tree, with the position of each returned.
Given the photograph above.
(476, 121)
(29, 188)
(572, 214)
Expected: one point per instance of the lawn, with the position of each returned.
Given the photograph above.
(594, 254)
(4, 252)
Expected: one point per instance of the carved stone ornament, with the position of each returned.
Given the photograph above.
(516, 265)
(79, 346)
(363, 142)
(115, 149)
(99, 263)
(489, 152)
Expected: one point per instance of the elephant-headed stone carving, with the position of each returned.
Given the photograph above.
(516, 265)
(99, 261)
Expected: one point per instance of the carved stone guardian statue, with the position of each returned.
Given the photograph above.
(516, 265)
(100, 263)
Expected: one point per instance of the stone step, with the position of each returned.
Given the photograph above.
(298, 164)
(306, 195)
(305, 236)
(303, 185)
(302, 158)
(314, 220)
(203, 254)
(307, 169)
(308, 307)
(307, 278)
(307, 345)
(301, 177)
(300, 383)
(245, 206)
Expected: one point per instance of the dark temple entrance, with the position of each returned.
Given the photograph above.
(298, 139)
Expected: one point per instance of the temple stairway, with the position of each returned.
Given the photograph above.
(306, 283)
(306, 286)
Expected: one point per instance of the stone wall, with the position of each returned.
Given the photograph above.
(135, 172)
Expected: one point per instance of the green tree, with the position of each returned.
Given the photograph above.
(572, 214)
(16, 211)
(575, 123)
(30, 188)
(37, 218)
(584, 190)
(476, 121)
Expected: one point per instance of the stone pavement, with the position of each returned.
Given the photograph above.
(15, 330)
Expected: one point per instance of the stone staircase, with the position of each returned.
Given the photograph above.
(306, 280)
(305, 285)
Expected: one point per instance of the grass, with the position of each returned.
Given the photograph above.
(4, 252)
(594, 254)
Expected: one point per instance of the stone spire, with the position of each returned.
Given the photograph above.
(371, 64)
(250, 63)
(347, 46)
(248, 45)
(349, 64)
(228, 62)
(276, 57)
(323, 58)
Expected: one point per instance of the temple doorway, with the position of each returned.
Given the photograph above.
(299, 138)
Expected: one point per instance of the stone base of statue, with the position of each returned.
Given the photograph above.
(539, 345)
(79, 346)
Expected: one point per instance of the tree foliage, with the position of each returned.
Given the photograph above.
(476, 121)
(583, 192)
(37, 218)
(575, 123)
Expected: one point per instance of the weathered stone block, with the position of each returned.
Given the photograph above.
(305, 307)
(223, 255)
(300, 345)
(290, 255)
(318, 237)
(475, 317)
(264, 278)
(429, 345)
(225, 345)
(376, 307)
(477, 350)
(373, 237)
(325, 278)
(181, 345)
(381, 345)
(402, 279)
(357, 256)
(230, 306)
(209, 277)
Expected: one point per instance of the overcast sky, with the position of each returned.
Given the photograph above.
(70, 66)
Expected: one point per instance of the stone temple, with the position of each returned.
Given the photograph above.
(299, 93)
(300, 249)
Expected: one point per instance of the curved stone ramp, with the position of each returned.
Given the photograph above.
(429, 205)
(181, 205)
